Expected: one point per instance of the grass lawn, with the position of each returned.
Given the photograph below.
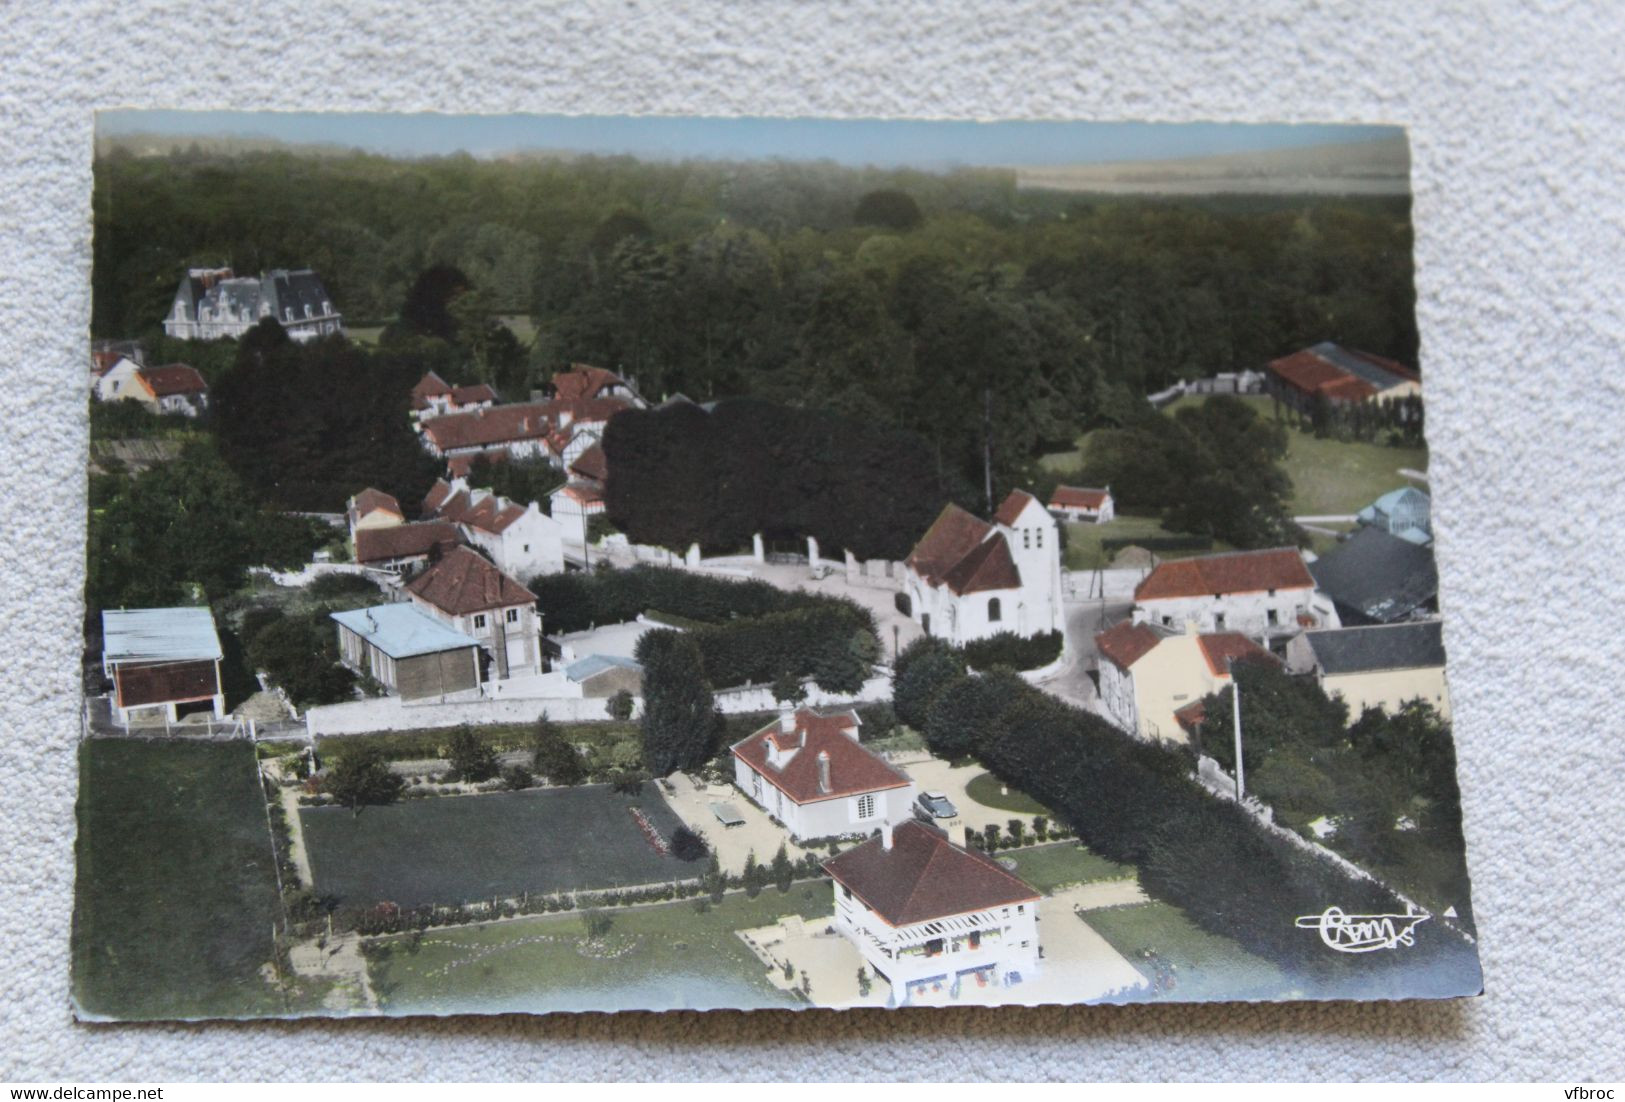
(453, 849)
(665, 957)
(984, 789)
(1331, 477)
(364, 334)
(1085, 552)
(521, 325)
(1051, 868)
(1159, 940)
(176, 889)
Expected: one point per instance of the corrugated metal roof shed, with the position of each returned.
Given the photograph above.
(402, 631)
(595, 664)
(159, 635)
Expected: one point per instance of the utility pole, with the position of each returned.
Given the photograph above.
(1235, 712)
(987, 443)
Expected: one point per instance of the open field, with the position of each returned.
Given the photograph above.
(453, 849)
(1196, 965)
(1333, 477)
(665, 957)
(176, 892)
(1064, 864)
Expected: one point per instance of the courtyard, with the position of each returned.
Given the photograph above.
(501, 845)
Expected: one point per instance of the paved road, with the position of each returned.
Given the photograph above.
(1084, 619)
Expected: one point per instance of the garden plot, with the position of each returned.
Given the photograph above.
(455, 849)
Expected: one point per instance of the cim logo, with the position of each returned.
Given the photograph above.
(1363, 933)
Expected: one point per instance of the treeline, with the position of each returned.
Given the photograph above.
(682, 475)
(1136, 802)
(914, 300)
(308, 425)
(184, 531)
(1213, 469)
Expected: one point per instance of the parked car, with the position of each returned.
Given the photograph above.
(934, 805)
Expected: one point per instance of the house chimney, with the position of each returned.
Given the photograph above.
(823, 770)
(885, 835)
(787, 718)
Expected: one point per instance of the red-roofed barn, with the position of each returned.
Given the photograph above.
(1261, 593)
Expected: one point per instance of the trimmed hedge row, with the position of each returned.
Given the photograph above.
(1137, 803)
(575, 602)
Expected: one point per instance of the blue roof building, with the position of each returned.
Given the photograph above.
(1406, 513)
(409, 652)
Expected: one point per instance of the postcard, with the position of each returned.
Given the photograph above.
(547, 564)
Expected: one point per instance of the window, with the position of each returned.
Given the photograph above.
(479, 622)
(512, 616)
(1026, 538)
(1273, 616)
(846, 892)
(866, 807)
(1039, 536)
(1218, 621)
(527, 548)
(1021, 908)
(1272, 593)
(993, 610)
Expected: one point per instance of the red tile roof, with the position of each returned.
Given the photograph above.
(1222, 647)
(463, 581)
(430, 386)
(1010, 509)
(952, 536)
(852, 769)
(1192, 715)
(592, 464)
(1077, 497)
(1235, 572)
(436, 497)
(583, 492)
(371, 500)
(924, 876)
(1126, 643)
(473, 394)
(173, 379)
(484, 427)
(401, 541)
(988, 566)
(585, 381)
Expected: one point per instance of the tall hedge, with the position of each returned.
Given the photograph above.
(574, 602)
(1136, 802)
(682, 475)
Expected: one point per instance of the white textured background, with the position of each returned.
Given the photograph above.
(1516, 118)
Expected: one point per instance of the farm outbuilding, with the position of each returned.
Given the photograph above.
(163, 662)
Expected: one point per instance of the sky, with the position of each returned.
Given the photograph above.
(882, 143)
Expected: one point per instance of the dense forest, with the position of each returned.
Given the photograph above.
(939, 304)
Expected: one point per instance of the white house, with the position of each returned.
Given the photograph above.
(1259, 593)
(216, 302)
(583, 495)
(170, 389)
(967, 579)
(1081, 503)
(940, 923)
(521, 539)
(464, 591)
(809, 772)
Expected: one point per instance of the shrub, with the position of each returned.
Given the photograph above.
(620, 705)
(517, 777)
(687, 845)
(472, 759)
(1015, 651)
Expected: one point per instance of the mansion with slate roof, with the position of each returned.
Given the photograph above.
(968, 579)
(810, 773)
(216, 302)
(937, 921)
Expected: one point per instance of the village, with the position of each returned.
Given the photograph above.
(691, 776)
